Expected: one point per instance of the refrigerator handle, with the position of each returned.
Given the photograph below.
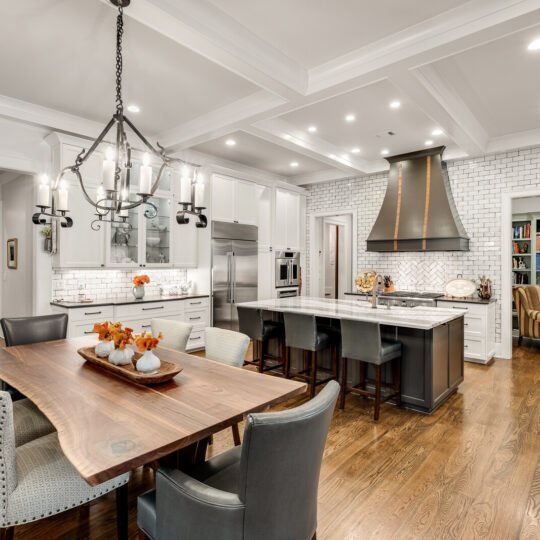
(233, 280)
(229, 277)
(289, 273)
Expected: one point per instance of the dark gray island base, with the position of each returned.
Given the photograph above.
(432, 343)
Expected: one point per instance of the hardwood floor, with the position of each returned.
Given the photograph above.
(470, 470)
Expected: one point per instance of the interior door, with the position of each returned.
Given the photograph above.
(222, 254)
(245, 277)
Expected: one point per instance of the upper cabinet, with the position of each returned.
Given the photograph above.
(234, 200)
(289, 220)
(264, 215)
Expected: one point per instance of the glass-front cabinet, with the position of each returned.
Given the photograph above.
(145, 241)
(158, 233)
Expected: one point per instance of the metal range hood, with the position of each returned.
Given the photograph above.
(418, 212)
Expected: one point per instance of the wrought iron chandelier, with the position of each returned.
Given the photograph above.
(113, 196)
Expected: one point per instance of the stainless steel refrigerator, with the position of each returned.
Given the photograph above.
(234, 270)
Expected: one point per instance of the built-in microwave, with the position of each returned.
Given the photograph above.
(287, 268)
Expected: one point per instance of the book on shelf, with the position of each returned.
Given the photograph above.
(522, 232)
(520, 278)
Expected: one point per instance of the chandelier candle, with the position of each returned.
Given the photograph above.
(199, 194)
(145, 176)
(63, 197)
(109, 167)
(43, 191)
(185, 186)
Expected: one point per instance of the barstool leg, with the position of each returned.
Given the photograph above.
(287, 367)
(343, 383)
(397, 380)
(313, 381)
(362, 374)
(283, 353)
(377, 392)
(334, 362)
(260, 345)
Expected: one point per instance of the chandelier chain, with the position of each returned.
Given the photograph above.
(119, 61)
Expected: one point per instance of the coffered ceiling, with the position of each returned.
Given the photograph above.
(262, 73)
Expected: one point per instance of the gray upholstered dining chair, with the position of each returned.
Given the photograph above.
(265, 489)
(251, 322)
(38, 481)
(303, 332)
(29, 422)
(227, 347)
(361, 341)
(175, 333)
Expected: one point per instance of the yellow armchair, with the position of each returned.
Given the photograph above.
(527, 300)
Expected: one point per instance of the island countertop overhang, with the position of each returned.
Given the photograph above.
(422, 318)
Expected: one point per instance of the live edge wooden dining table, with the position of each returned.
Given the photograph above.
(108, 426)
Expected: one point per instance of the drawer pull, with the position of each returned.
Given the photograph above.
(195, 303)
(151, 308)
(466, 346)
(194, 338)
(466, 324)
(91, 332)
(459, 307)
(92, 312)
(146, 326)
(194, 318)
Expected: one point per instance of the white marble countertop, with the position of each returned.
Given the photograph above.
(423, 318)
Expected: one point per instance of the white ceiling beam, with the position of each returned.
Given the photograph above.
(522, 139)
(29, 113)
(210, 32)
(222, 121)
(319, 177)
(446, 28)
(436, 97)
(284, 134)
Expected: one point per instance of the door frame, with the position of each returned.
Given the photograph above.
(506, 268)
(316, 239)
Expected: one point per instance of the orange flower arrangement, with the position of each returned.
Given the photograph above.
(122, 337)
(139, 280)
(146, 342)
(106, 330)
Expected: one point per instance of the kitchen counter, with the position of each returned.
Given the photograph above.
(423, 318)
(125, 301)
(432, 339)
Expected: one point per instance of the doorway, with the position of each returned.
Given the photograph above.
(332, 254)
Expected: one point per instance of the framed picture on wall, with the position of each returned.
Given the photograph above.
(12, 253)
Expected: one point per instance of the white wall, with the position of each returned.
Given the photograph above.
(477, 185)
(17, 284)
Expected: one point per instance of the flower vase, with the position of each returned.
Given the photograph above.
(121, 357)
(138, 292)
(104, 348)
(148, 363)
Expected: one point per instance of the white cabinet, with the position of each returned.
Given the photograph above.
(288, 221)
(233, 200)
(265, 276)
(479, 329)
(185, 243)
(80, 246)
(264, 215)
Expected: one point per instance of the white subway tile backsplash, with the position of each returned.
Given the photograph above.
(98, 283)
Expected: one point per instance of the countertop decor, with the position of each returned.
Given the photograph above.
(460, 288)
(365, 280)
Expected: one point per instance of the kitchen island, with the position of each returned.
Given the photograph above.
(432, 341)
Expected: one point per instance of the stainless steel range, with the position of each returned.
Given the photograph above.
(404, 298)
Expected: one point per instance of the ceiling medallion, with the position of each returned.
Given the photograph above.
(113, 201)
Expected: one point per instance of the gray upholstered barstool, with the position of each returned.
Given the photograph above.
(302, 332)
(251, 322)
(362, 341)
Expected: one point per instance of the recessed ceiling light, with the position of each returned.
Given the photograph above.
(350, 118)
(345, 157)
(534, 45)
(395, 105)
(384, 152)
(294, 163)
(332, 156)
(286, 136)
(312, 129)
(428, 143)
(437, 132)
(355, 150)
(230, 142)
(134, 108)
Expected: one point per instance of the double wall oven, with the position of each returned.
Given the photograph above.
(287, 269)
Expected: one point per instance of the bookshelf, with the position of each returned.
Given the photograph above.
(525, 253)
